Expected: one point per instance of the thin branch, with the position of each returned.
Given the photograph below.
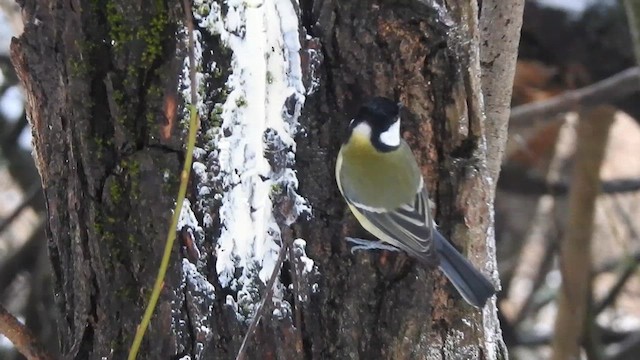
(629, 266)
(263, 307)
(21, 337)
(628, 271)
(605, 91)
(613, 264)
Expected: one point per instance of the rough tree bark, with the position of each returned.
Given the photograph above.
(101, 77)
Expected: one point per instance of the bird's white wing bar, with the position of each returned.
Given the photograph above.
(409, 227)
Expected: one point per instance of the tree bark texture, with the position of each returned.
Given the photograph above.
(99, 76)
(93, 77)
(500, 26)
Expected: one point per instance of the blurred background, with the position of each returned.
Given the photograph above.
(577, 60)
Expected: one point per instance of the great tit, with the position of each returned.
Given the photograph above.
(381, 182)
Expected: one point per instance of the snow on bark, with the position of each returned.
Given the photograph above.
(245, 165)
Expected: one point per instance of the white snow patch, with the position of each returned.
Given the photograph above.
(200, 170)
(207, 220)
(299, 246)
(277, 313)
(203, 296)
(196, 280)
(199, 153)
(187, 217)
(266, 95)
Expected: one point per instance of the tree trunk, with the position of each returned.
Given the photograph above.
(277, 85)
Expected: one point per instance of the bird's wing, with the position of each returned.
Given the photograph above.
(408, 227)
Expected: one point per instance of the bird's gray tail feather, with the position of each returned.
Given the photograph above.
(474, 287)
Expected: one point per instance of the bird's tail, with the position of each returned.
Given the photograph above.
(474, 287)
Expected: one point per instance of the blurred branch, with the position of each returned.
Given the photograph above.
(613, 264)
(23, 259)
(530, 339)
(516, 181)
(21, 165)
(541, 273)
(10, 76)
(629, 265)
(628, 349)
(535, 251)
(605, 91)
(575, 248)
(627, 272)
(13, 133)
(26, 202)
(632, 10)
(21, 337)
(12, 11)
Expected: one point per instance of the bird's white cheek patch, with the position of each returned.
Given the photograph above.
(391, 137)
(363, 129)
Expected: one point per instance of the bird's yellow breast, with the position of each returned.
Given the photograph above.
(377, 179)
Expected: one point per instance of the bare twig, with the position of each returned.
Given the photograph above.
(263, 307)
(605, 91)
(21, 337)
(575, 248)
(627, 272)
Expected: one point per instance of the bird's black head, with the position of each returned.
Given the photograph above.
(379, 119)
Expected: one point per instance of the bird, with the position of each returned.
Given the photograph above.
(382, 184)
